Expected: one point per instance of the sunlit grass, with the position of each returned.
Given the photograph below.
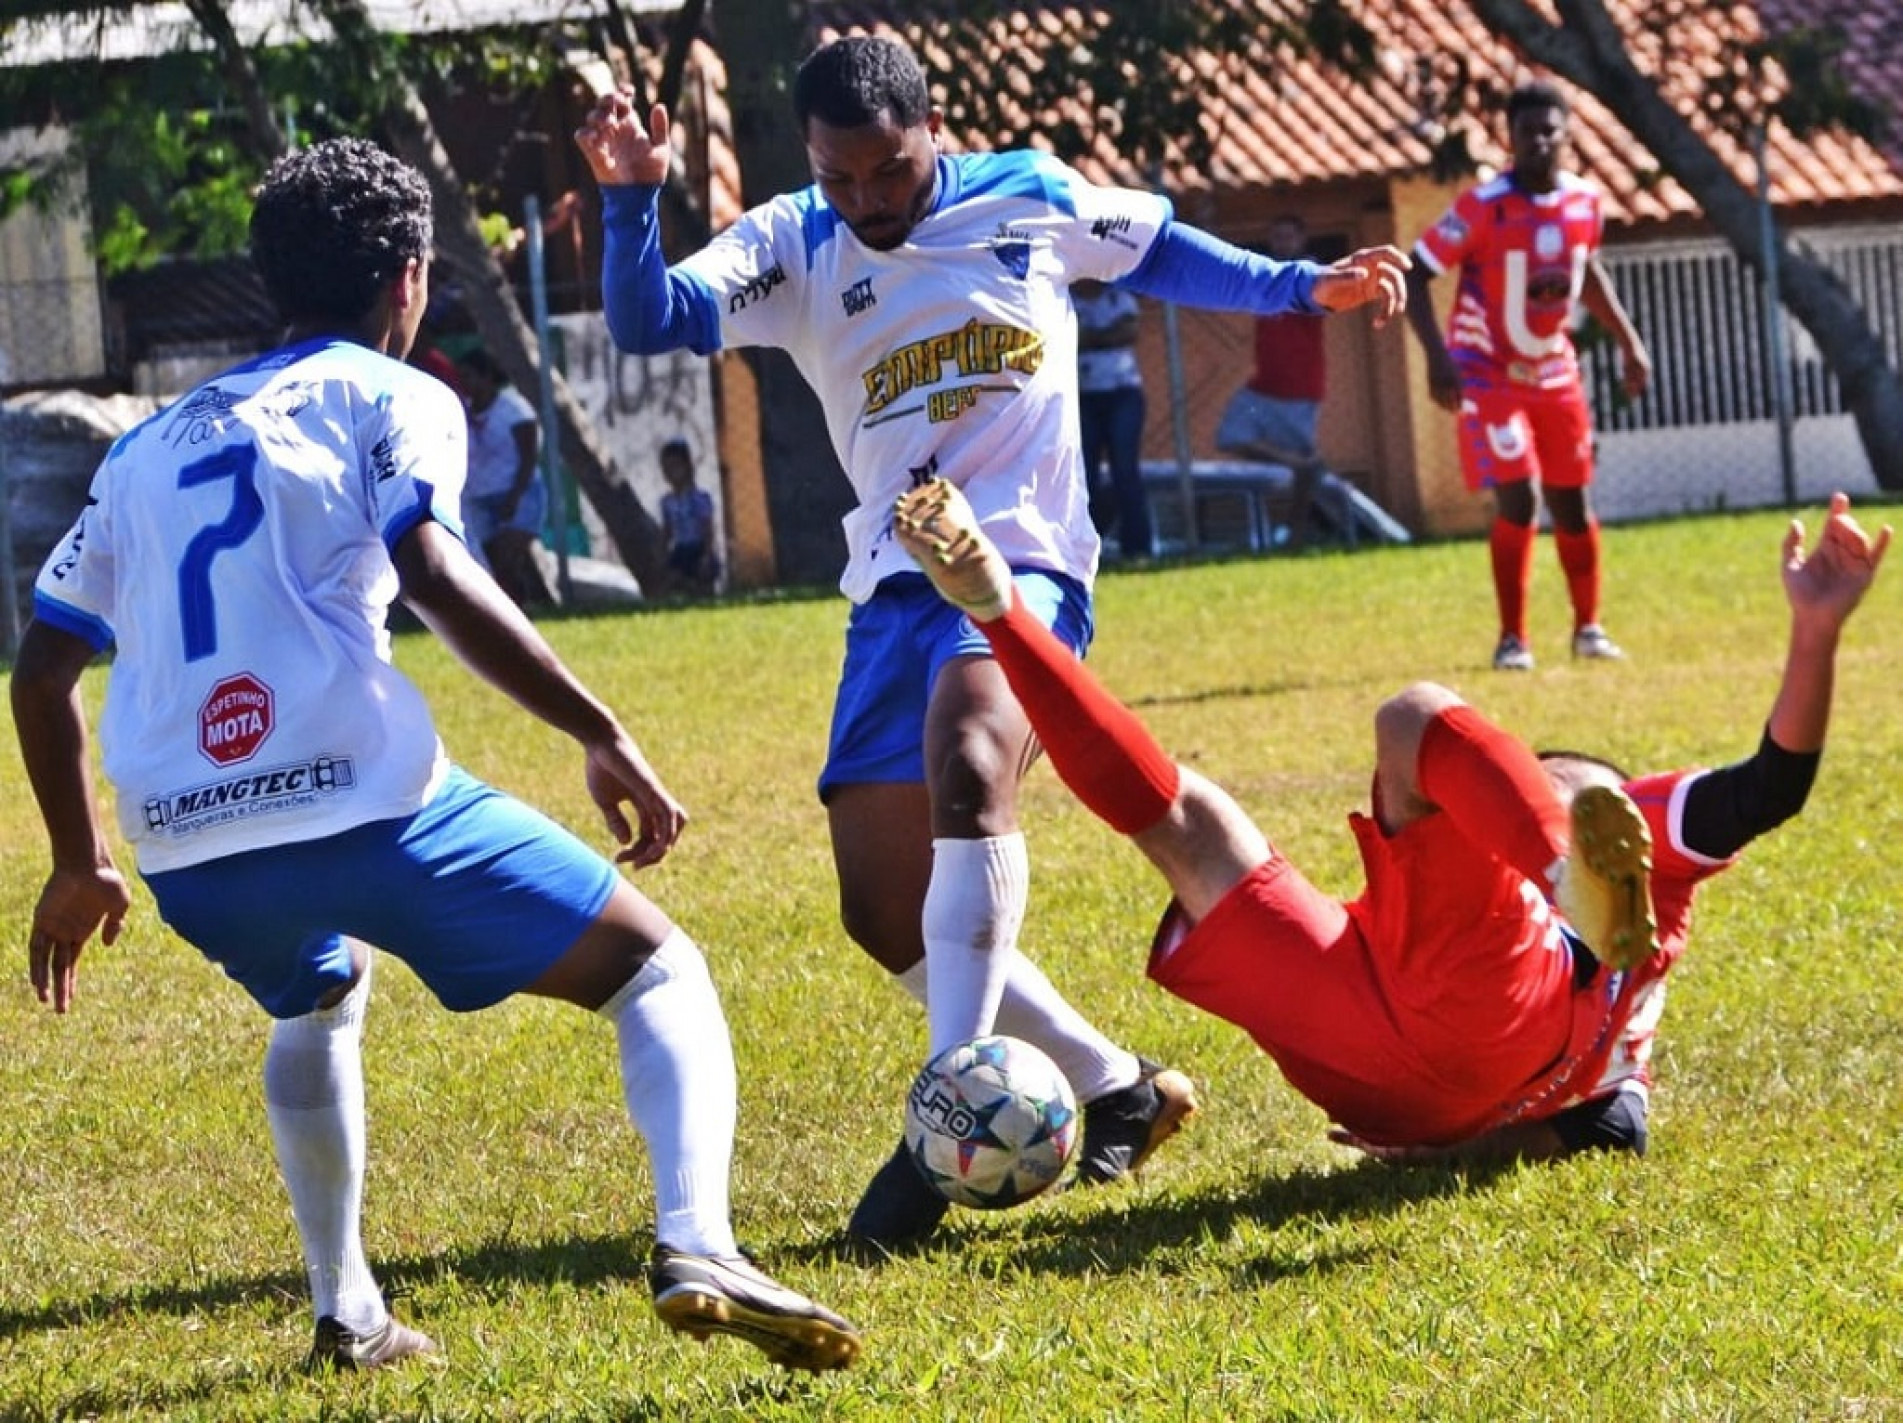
(1750, 1267)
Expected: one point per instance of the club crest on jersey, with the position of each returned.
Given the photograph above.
(1014, 257)
(1452, 230)
(858, 297)
(1548, 242)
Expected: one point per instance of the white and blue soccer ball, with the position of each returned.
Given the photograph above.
(991, 1122)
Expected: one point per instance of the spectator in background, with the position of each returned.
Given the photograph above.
(1110, 414)
(1273, 417)
(687, 518)
(505, 500)
(427, 355)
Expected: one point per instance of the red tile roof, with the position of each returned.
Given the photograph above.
(1278, 120)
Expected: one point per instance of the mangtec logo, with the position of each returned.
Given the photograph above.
(236, 717)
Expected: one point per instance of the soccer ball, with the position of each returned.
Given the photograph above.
(991, 1122)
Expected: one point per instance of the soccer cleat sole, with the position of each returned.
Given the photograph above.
(938, 527)
(1605, 891)
(791, 1341)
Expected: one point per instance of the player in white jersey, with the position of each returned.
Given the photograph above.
(282, 784)
(925, 297)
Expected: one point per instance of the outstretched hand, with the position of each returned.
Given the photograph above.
(618, 149)
(1830, 579)
(74, 905)
(619, 774)
(1373, 276)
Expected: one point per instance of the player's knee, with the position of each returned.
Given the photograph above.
(1400, 720)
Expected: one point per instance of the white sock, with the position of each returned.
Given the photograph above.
(1034, 1010)
(677, 1075)
(313, 1095)
(974, 907)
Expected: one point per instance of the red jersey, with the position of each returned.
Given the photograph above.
(1522, 258)
(1290, 357)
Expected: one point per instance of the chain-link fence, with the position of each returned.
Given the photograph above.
(1706, 435)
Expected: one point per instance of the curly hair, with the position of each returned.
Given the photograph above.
(333, 224)
(853, 81)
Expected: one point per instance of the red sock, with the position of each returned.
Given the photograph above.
(1097, 745)
(1494, 789)
(1579, 557)
(1512, 548)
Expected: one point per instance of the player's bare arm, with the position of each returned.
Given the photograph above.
(1598, 297)
(619, 148)
(1372, 276)
(1443, 376)
(84, 893)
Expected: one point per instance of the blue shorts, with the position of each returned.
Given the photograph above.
(478, 893)
(897, 641)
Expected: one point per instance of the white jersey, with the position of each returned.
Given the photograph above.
(494, 456)
(235, 547)
(954, 354)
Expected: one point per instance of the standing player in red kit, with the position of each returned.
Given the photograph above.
(1526, 245)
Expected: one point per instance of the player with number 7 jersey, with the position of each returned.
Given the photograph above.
(263, 504)
(284, 787)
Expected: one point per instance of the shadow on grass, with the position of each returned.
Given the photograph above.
(1135, 1234)
(576, 1261)
(492, 1271)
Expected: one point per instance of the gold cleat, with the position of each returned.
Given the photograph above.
(1604, 883)
(935, 523)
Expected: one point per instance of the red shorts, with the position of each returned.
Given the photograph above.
(1510, 434)
(1410, 1015)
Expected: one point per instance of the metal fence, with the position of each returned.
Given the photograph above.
(1706, 435)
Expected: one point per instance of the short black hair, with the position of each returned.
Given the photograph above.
(483, 364)
(678, 446)
(1537, 94)
(333, 224)
(855, 80)
(1584, 758)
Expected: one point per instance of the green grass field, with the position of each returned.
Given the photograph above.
(1751, 1267)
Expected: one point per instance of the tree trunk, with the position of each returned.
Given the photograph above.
(511, 340)
(242, 75)
(1588, 49)
(807, 492)
(498, 316)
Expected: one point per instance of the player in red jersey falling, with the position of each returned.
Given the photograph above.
(1526, 245)
(1495, 989)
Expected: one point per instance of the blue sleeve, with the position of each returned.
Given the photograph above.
(650, 308)
(1195, 268)
(90, 630)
